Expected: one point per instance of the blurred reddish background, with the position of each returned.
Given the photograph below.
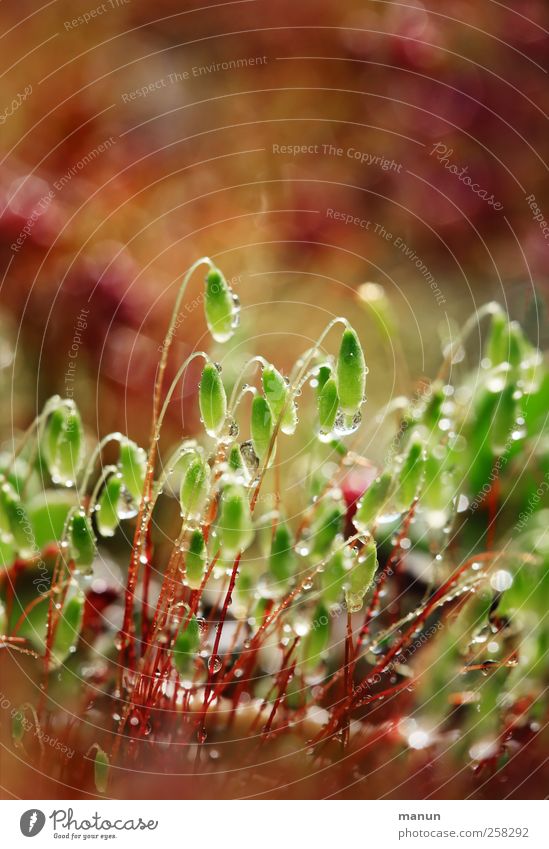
(137, 137)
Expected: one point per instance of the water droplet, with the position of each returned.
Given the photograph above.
(269, 587)
(250, 457)
(345, 425)
(214, 664)
(501, 580)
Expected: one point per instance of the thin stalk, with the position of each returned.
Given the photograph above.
(145, 507)
(237, 385)
(215, 649)
(492, 308)
(115, 436)
(106, 472)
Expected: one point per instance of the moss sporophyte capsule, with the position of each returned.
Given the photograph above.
(316, 640)
(101, 771)
(236, 464)
(18, 727)
(212, 400)
(360, 577)
(186, 644)
(328, 404)
(277, 395)
(282, 558)
(108, 506)
(195, 485)
(351, 373)
(133, 467)
(261, 426)
(220, 306)
(68, 626)
(373, 502)
(411, 474)
(235, 528)
(326, 525)
(333, 577)
(15, 523)
(63, 444)
(195, 559)
(81, 540)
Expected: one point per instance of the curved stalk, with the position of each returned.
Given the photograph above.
(169, 394)
(39, 422)
(235, 392)
(170, 333)
(115, 436)
(492, 308)
(108, 470)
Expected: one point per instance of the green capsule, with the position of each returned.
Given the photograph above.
(433, 409)
(333, 577)
(360, 577)
(64, 444)
(261, 426)
(504, 421)
(317, 638)
(246, 586)
(351, 373)
(18, 727)
(282, 558)
(324, 372)
(506, 342)
(195, 559)
(186, 646)
(373, 502)
(133, 468)
(235, 527)
(18, 529)
(101, 771)
(236, 464)
(70, 450)
(327, 404)
(326, 525)
(493, 420)
(518, 347)
(220, 306)
(411, 475)
(277, 395)
(195, 486)
(497, 340)
(67, 631)
(212, 400)
(6, 495)
(480, 453)
(52, 434)
(108, 504)
(438, 485)
(18, 472)
(8, 552)
(81, 540)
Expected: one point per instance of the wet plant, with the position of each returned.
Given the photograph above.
(418, 600)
